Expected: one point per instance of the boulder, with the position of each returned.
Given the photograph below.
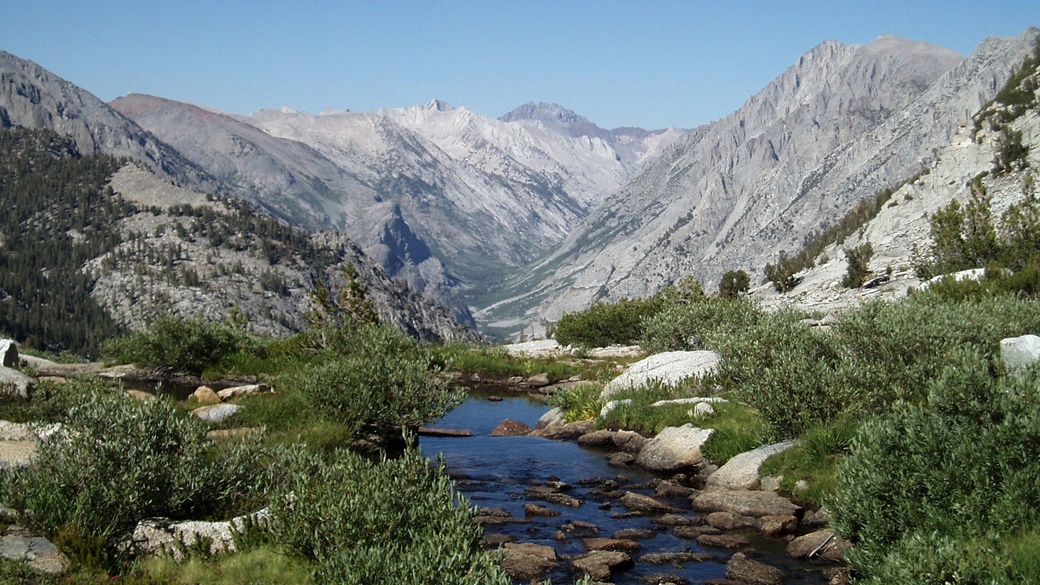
(703, 409)
(539, 510)
(741, 471)
(537, 381)
(553, 416)
(774, 526)
(611, 544)
(629, 441)
(565, 432)
(741, 568)
(675, 558)
(674, 448)
(14, 384)
(121, 372)
(8, 353)
(600, 564)
(609, 406)
(527, 561)
(18, 544)
(694, 401)
(745, 503)
(162, 536)
(667, 368)
(640, 503)
(17, 453)
(510, 428)
(215, 413)
(600, 438)
(1020, 352)
(723, 540)
(236, 391)
(730, 521)
(822, 544)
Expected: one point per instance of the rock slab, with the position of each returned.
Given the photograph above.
(741, 471)
(668, 368)
(674, 448)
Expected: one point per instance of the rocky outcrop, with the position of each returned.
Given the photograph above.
(163, 536)
(674, 448)
(14, 384)
(667, 368)
(746, 503)
(838, 126)
(1019, 353)
(8, 353)
(741, 471)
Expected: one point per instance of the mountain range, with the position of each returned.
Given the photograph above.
(512, 222)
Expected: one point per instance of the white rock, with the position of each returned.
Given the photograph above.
(703, 409)
(236, 391)
(553, 416)
(667, 368)
(694, 400)
(216, 412)
(8, 353)
(1020, 352)
(612, 405)
(674, 448)
(741, 471)
(14, 384)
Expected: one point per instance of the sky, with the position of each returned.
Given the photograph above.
(648, 63)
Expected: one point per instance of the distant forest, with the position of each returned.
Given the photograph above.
(55, 216)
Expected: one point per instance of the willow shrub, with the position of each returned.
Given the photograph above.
(604, 324)
(800, 377)
(958, 470)
(698, 324)
(176, 344)
(382, 381)
(393, 521)
(118, 460)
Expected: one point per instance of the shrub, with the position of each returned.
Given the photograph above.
(175, 344)
(697, 325)
(122, 460)
(1010, 153)
(581, 402)
(787, 371)
(384, 382)
(859, 265)
(395, 521)
(954, 470)
(781, 273)
(734, 283)
(605, 324)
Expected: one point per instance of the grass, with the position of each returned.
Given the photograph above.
(813, 459)
(261, 565)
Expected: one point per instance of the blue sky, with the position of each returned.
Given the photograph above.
(650, 63)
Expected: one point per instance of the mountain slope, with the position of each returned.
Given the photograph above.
(32, 97)
(298, 184)
(838, 126)
(80, 255)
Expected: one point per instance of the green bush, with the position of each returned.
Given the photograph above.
(787, 371)
(697, 325)
(175, 344)
(383, 383)
(799, 377)
(859, 265)
(957, 469)
(734, 283)
(121, 460)
(782, 272)
(605, 324)
(395, 521)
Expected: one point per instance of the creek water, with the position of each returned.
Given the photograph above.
(494, 472)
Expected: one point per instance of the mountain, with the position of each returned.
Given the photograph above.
(32, 97)
(632, 145)
(127, 245)
(836, 127)
(900, 233)
(486, 196)
(298, 184)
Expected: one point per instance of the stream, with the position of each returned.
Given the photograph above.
(494, 472)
